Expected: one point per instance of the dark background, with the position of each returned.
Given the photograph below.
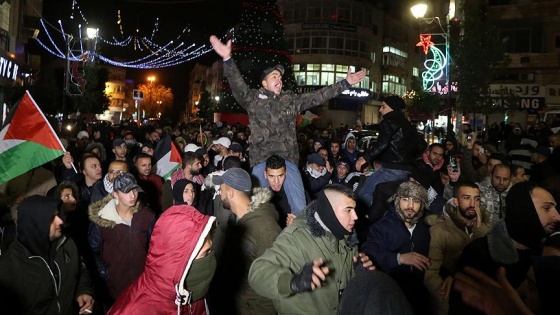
(202, 17)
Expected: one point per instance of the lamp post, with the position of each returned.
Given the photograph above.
(419, 11)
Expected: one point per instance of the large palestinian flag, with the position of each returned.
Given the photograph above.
(27, 140)
(167, 156)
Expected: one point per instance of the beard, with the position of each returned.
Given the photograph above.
(195, 172)
(226, 204)
(408, 214)
(468, 213)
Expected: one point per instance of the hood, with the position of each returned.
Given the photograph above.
(260, 205)
(104, 212)
(318, 229)
(452, 212)
(35, 215)
(177, 238)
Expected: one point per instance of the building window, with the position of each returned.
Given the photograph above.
(415, 71)
(325, 74)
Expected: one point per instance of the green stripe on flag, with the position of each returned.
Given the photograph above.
(24, 157)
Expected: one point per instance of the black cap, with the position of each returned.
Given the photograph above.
(316, 158)
(125, 182)
(267, 71)
(118, 142)
(395, 102)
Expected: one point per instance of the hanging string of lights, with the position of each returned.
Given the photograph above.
(155, 55)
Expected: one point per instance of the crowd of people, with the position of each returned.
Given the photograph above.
(272, 219)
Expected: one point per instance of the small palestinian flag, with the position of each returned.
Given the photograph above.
(27, 140)
(168, 157)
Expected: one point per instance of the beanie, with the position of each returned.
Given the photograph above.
(328, 217)
(395, 102)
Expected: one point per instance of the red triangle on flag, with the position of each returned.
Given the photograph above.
(175, 155)
(28, 123)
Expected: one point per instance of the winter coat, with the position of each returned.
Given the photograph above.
(39, 276)
(397, 146)
(448, 238)
(389, 237)
(261, 230)
(493, 201)
(119, 249)
(177, 238)
(300, 243)
(272, 118)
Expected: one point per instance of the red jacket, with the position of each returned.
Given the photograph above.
(177, 237)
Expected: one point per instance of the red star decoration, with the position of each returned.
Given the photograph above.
(426, 42)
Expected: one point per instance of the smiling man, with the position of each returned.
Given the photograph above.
(309, 265)
(272, 117)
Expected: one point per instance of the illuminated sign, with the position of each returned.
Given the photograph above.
(8, 69)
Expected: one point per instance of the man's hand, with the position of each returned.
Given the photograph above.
(361, 161)
(477, 222)
(67, 160)
(223, 50)
(488, 295)
(310, 277)
(290, 219)
(354, 78)
(445, 288)
(364, 259)
(85, 301)
(328, 166)
(419, 261)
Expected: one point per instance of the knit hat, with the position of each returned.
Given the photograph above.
(328, 217)
(316, 158)
(521, 218)
(395, 102)
(267, 71)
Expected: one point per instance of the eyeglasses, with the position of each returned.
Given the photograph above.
(409, 199)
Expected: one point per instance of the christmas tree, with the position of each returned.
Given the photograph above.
(258, 43)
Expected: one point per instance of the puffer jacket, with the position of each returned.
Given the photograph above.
(297, 245)
(272, 118)
(397, 146)
(119, 249)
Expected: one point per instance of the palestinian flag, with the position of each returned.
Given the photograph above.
(168, 157)
(306, 119)
(27, 140)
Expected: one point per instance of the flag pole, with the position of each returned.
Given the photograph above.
(201, 139)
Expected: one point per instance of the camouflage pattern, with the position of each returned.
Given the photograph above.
(272, 118)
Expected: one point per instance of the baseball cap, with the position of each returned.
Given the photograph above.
(343, 163)
(83, 134)
(125, 182)
(223, 141)
(267, 71)
(316, 158)
(191, 147)
(236, 147)
(236, 178)
(118, 142)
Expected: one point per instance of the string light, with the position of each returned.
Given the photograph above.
(155, 55)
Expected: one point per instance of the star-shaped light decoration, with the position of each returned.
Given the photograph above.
(426, 42)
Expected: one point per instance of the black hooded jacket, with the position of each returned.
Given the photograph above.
(37, 275)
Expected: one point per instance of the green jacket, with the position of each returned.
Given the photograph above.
(298, 244)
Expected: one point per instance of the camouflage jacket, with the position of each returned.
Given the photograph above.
(272, 118)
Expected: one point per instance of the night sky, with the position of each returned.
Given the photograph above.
(204, 17)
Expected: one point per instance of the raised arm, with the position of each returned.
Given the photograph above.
(224, 50)
(355, 78)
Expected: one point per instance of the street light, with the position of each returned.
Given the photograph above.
(151, 79)
(419, 11)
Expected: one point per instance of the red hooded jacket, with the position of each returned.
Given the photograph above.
(177, 238)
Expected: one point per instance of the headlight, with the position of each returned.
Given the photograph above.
(69, 127)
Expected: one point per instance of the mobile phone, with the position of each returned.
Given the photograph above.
(453, 163)
(481, 150)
